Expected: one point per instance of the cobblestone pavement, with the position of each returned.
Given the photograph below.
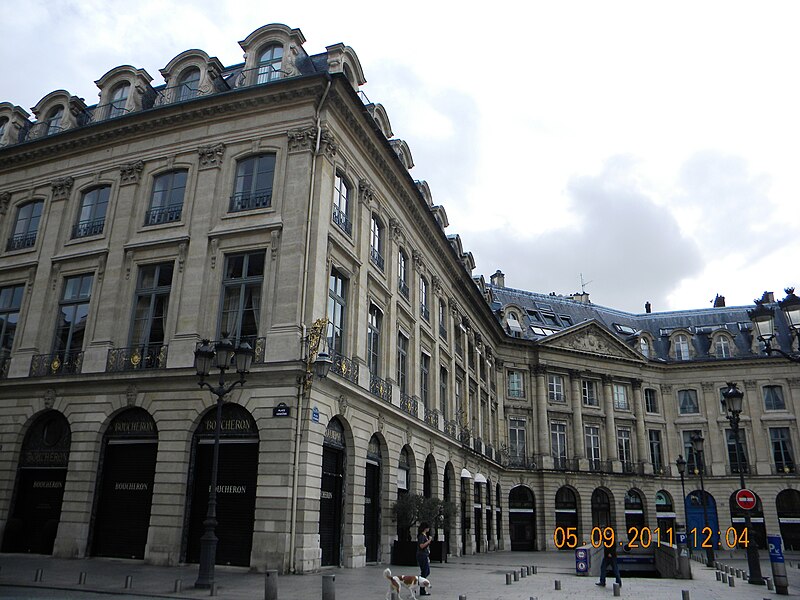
(478, 577)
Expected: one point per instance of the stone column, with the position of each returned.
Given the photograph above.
(716, 459)
(611, 427)
(641, 435)
(578, 450)
(540, 400)
(760, 454)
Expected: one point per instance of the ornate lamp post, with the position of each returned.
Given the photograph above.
(680, 463)
(697, 446)
(221, 355)
(763, 318)
(733, 398)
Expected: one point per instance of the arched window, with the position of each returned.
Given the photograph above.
(26, 225)
(188, 84)
(402, 273)
(269, 64)
(166, 202)
(53, 120)
(376, 242)
(442, 320)
(681, 343)
(374, 340)
(119, 98)
(423, 298)
(92, 215)
(644, 347)
(722, 347)
(341, 204)
(634, 512)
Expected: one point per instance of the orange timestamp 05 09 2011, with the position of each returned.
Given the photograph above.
(645, 537)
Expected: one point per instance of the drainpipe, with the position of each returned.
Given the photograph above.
(303, 295)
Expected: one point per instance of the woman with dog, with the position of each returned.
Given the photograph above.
(423, 553)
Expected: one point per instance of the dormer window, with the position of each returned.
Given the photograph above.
(3, 124)
(644, 347)
(53, 120)
(119, 98)
(269, 64)
(681, 344)
(722, 347)
(188, 84)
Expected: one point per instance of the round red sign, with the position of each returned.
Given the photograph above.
(746, 499)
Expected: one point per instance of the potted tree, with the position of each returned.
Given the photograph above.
(409, 511)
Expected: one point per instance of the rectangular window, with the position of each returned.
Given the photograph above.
(26, 226)
(341, 204)
(592, 433)
(443, 377)
(73, 312)
(241, 296)
(624, 446)
(10, 304)
(650, 401)
(150, 308)
(423, 299)
(92, 214)
(656, 455)
(402, 363)
(166, 201)
(737, 457)
(337, 305)
(374, 340)
(442, 320)
(773, 398)
(424, 379)
(402, 273)
(687, 402)
(516, 439)
(558, 441)
(782, 452)
(555, 388)
(376, 242)
(459, 402)
(620, 397)
(692, 463)
(589, 392)
(515, 389)
(253, 185)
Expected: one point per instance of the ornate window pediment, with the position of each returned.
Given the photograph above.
(271, 53)
(123, 90)
(191, 74)
(57, 112)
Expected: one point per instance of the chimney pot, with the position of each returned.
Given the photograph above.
(719, 301)
(648, 307)
(498, 279)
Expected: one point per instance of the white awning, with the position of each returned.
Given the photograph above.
(466, 474)
(480, 478)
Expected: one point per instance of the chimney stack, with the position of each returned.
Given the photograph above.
(648, 308)
(768, 298)
(582, 297)
(498, 279)
(719, 301)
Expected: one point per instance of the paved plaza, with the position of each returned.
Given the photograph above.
(479, 577)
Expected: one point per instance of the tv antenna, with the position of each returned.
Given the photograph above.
(584, 284)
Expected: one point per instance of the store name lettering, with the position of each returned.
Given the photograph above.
(230, 489)
(133, 426)
(48, 484)
(44, 458)
(130, 487)
(229, 424)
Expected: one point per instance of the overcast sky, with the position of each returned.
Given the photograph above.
(653, 147)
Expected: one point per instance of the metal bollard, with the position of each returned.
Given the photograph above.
(684, 594)
(535, 569)
(128, 582)
(528, 570)
(724, 578)
(82, 578)
(770, 585)
(271, 585)
(731, 582)
(38, 575)
(719, 576)
(616, 589)
(508, 578)
(329, 587)
(213, 588)
(462, 597)
(394, 596)
(178, 586)
(516, 575)
(558, 584)
(523, 573)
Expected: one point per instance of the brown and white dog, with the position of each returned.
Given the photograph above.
(409, 582)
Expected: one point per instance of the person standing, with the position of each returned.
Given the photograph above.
(423, 553)
(609, 559)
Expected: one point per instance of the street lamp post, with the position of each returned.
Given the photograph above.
(697, 445)
(733, 399)
(221, 355)
(680, 463)
(763, 318)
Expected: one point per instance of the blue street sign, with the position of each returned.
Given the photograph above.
(581, 561)
(315, 415)
(775, 552)
(681, 538)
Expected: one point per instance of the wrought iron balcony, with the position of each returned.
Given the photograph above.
(408, 404)
(250, 200)
(662, 471)
(432, 417)
(259, 76)
(380, 388)
(344, 367)
(477, 445)
(632, 468)
(562, 463)
(403, 287)
(517, 461)
(515, 394)
(489, 451)
(180, 93)
(785, 468)
(735, 469)
(58, 363)
(88, 228)
(341, 219)
(23, 240)
(136, 358)
(39, 130)
(597, 465)
(164, 214)
(465, 435)
(111, 110)
(258, 345)
(376, 258)
(451, 428)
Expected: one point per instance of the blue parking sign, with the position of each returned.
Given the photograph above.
(775, 551)
(681, 538)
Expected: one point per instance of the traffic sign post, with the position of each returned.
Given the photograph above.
(778, 565)
(746, 499)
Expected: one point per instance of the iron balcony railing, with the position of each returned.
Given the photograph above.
(111, 110)
(432, 417)
(477, 445)
(180, 93)
(380, 388)
(58, 363)
(632, 468)
(518, 461)
(376, 258)
(39, 130)
(562, 463)
(250, 200)
(662, 471)
(515, 394)
(341, 219)
(136, 358)
(451, 428)
(164, 214)
(344, 367)
(408, 404)
(785, 468)
(597, 465)
(88, 228)
(403, 287)
(735, 469)
(489, 451)
(259, 75)
(258, 344)
(21, 241)
(466, 437)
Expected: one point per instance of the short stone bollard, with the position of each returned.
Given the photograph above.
(523, 573)
(213, 591)
(515, 574)
(731, 582)
(529, 570)
(82, 578)
(719, 576)
(724, 578)
(558, 584)
(128, 582)
(462, 597)
(178, 586)
(329, 587)
(616, 589)
(770, 585)
(271, 585)
(508, 578)
(37, 577)
(535, 569)
(685, 595)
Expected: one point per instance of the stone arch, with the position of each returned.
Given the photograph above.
(603, 514)
(430, 476)
(522, 517)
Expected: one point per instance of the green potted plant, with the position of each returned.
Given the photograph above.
(409, 511)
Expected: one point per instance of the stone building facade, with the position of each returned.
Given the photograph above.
(252, 200)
